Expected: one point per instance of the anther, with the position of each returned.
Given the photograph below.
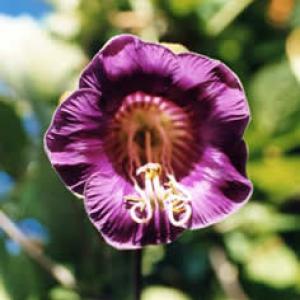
(150, 169)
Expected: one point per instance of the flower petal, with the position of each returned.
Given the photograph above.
(73, 141)
(195, 69)
(126, 64)
(218, 99)
(218, 189)
(106, 208)
(213, 82)
(90, 76)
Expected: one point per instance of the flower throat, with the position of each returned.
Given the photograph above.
(151, 140)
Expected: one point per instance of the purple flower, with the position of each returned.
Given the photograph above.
(153, 141)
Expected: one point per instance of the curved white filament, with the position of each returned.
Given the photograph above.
(158, 188)
(142, 206)
(171, 207)
(141, 203)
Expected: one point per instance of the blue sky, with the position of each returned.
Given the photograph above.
(35, 8)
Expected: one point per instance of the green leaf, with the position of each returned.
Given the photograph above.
(13, 140)
(274, 95)
(21, 278)
(275, 111)
(60, 293)
(162, 292)
(175, 47)
(182, 8)
(259, 219)
(274, 264)
(278, 176)
(151, 256)
(239, 245)
(3, 293)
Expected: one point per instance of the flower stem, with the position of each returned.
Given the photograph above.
(137, 274)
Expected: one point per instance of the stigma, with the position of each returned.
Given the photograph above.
(169, 196)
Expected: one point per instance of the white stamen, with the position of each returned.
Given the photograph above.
(175, 199)
(184, 218)
(142, 203)
(142, 207)
(158, 188)
(149, 188)
(185, 195)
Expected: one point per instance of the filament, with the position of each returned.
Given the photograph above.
(166, 149)
(148, 146)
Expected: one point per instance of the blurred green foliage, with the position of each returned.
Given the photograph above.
(14, 140)
(261, 242)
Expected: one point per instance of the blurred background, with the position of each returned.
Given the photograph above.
(252, 255)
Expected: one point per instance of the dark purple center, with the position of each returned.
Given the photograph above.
(149, 128)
